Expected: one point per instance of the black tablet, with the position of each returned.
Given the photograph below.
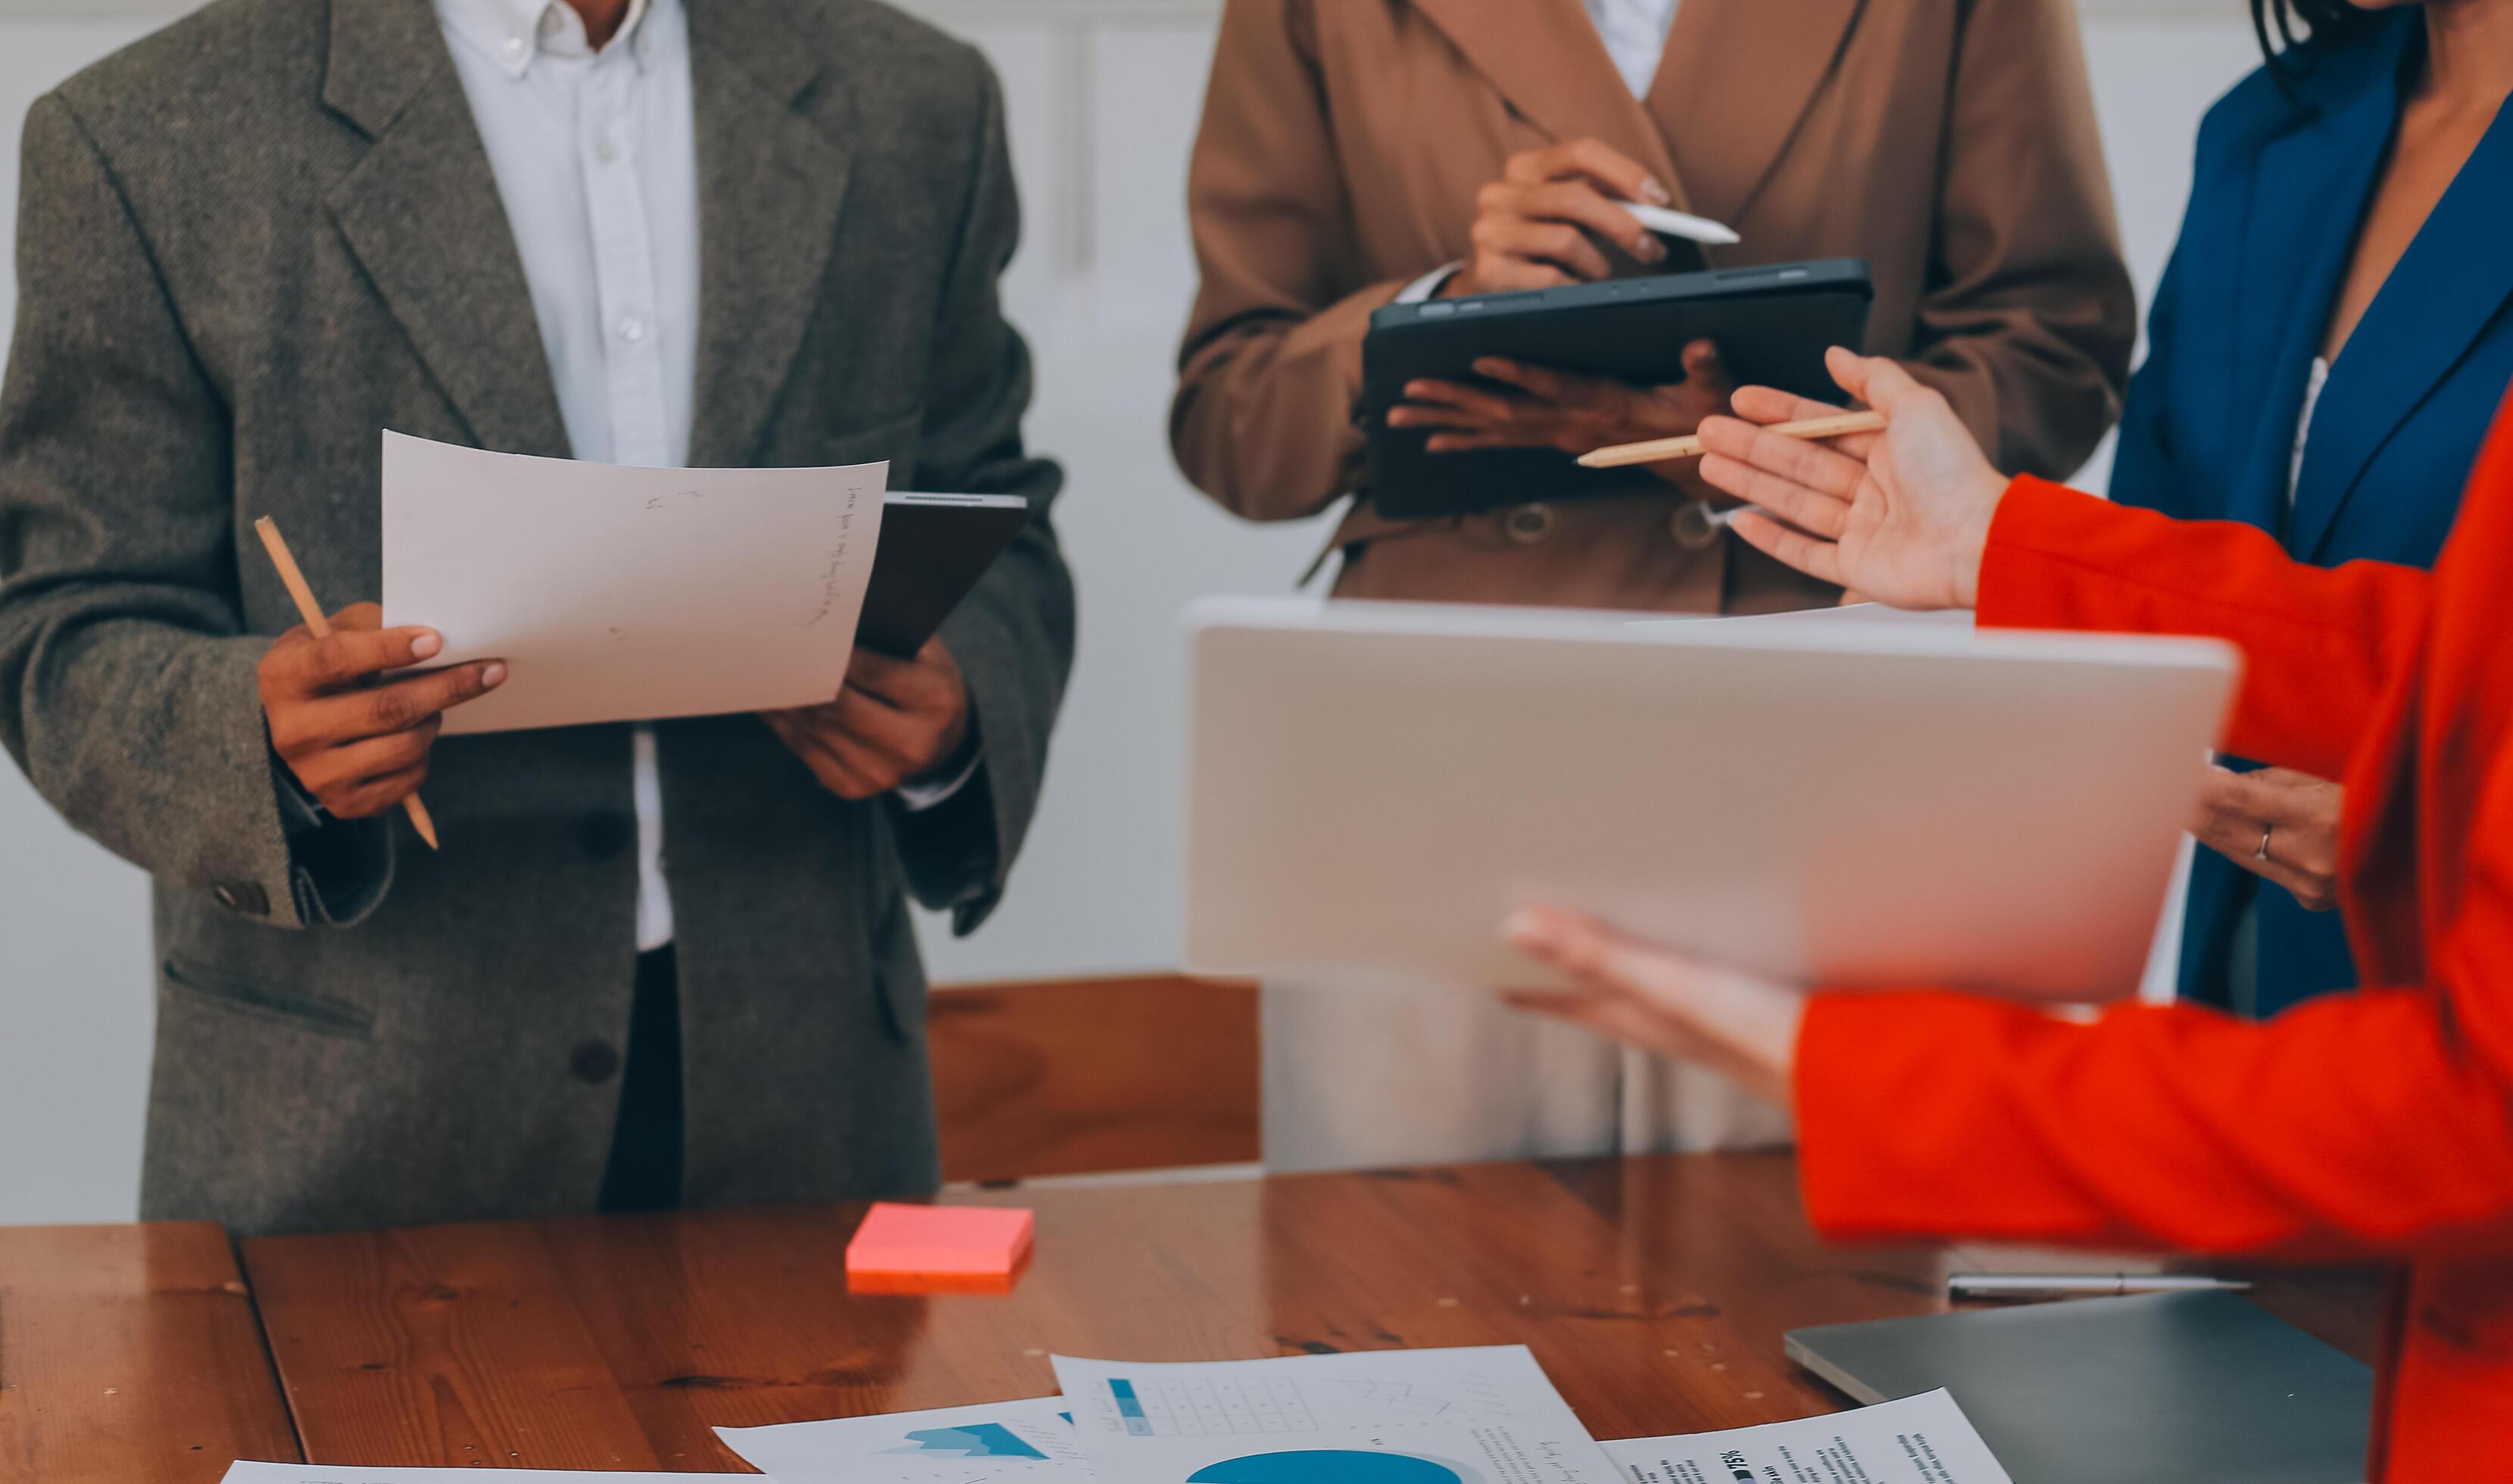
(934, 548)
(1772, 323)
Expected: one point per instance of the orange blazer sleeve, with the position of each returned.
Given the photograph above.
(2318, 644)
(2359, 1125)
(2378, 1123)
(1269, 379)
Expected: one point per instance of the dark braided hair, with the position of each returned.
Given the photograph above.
(2294, 33)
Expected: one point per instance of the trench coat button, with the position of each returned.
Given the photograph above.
(1529, 525)
(1691, 527)
(605, 835)
(593, 1061)
(246, 898)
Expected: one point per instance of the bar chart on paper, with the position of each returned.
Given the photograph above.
(969, 1440)
(1013, 1442)
(1219, 1407)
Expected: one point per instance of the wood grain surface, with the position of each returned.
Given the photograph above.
(131, 1355)
(1654, 1291)
(1086, 1077)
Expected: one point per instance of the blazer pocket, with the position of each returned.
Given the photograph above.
(318, 1013)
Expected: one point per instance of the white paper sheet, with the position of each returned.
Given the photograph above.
(618, 594)
(1013, 1442)
(1482, 1416)
(1923, 1439)
(338, 1473)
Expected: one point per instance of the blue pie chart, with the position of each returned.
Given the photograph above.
(1332, 1465)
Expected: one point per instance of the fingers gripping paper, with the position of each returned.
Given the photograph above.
(618, 594)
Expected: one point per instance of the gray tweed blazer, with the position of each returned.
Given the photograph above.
(249, 243)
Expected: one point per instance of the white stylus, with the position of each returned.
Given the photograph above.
(1684, 225)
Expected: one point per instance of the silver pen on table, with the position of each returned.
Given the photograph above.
(2064, 1285)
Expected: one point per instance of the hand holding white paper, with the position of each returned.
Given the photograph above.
(618, 594)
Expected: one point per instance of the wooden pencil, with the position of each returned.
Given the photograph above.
(294, 578)
(1663, 450)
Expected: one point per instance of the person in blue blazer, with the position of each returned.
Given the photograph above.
(2329, 346)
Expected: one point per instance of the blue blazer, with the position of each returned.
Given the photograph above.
(2209, 429)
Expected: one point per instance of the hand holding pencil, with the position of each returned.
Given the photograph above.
(1830, 425)
(1900, 516)
(356, 739)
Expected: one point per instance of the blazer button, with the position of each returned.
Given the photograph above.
(600, 836)
(1691, 527)
(242, 897)
(1529, 525)
(594, 1062)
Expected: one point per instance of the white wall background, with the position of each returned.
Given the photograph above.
(1104, 96)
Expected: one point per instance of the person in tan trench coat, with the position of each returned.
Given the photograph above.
(1352, 149)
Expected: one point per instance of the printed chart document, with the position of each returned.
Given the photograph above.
(618, 594)
(341, 1473)
(1013, 1442)
(1482, 1416)
(1923, 1439)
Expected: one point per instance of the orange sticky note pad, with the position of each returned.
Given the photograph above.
(904, 1247)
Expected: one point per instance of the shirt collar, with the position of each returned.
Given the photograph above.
(516, 33)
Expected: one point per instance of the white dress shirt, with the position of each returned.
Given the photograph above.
(596, 158)
(1635, 35)
(1634, 32)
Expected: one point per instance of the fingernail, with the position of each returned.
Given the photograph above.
(1523, 927)
(427, 645)
(493, 675)
(1652, 193)
(1650, 248)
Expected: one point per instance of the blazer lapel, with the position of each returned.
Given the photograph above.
(1737, 77)
(2447, 287)
(2306, 200)
(1565, 85)
(422, 214)
(770, 186)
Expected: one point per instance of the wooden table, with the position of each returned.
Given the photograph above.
(131, 1354)
(1654, 1291)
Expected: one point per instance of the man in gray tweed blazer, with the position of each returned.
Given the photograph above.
(653, 965)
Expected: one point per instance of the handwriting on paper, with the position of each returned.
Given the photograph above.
(837, 578)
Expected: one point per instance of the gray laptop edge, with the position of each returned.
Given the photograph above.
(2159, 1389)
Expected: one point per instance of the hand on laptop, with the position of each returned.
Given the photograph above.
(357, 740)
(895, 721)
(1741, 1026)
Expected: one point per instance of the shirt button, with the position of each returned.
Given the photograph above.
(593, 1061)
(632, 330)
(1691, 527)
(606, 152)
(517, 48)
(1529, 525)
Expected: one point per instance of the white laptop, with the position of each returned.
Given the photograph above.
(1374, 787)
